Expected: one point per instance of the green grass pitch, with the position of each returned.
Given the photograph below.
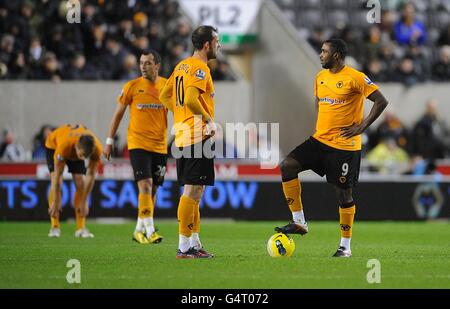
(412, 255)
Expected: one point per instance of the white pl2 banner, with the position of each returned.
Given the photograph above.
(235, 19)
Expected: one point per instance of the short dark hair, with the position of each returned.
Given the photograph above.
(201, 35)
(154, 53)
(338, 46)
(87, 143)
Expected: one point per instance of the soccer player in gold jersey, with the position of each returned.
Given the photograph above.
(189, 93)
(334, 149)
(147, 140)
(70, 145)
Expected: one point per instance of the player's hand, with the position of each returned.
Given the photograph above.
(54, 210)
(353, 130)
(210, 128)
(107, 151)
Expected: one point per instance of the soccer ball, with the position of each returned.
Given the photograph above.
(280, 245)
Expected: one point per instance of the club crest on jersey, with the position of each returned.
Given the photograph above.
(200, 74)
(368, 81)
(340, 84)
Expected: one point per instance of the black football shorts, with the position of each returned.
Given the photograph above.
(148, 164)
(341, 167)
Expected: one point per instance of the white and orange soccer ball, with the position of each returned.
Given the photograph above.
(280, 245)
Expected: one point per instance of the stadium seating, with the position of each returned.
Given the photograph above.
(339, 18)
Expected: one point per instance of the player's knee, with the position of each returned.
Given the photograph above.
(289, 168)
(79, 182)
(344, 196)
(194, 192)
(145, 186)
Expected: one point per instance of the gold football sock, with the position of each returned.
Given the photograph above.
(346, 217)
(80, 221)
(196, 228)
(185, 214)
(145, 206)
(292, 191)
(54, 221)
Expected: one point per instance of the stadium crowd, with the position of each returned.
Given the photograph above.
(37, 42)
(410, 43)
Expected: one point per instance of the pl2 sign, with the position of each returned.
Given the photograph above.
(235, 19)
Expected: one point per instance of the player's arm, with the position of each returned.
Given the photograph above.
(56, 182)
(91, 173)
(165, 96)
(193, 104)
(379, 104)
(115, 122)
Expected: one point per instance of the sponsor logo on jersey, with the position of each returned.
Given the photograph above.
(332, 101)
(200, 74)
(144, 106)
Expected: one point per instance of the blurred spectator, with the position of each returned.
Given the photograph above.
(140, 24)
(129, 69)
(390, 128)
(387, 157)
(38, 152)
(49, 69)
(175, 54)
(156, 42)
(377, 71)
(10, 150)
(6, 48)
(407, 73)
(317, 37)
(388, 57)
(431, 135)
(441, 69)
(353, 39)
(409, 30)
(372, 42)
(444, 38)
(78, 69)
(36, 52)
(220, 70)
(388, 24)
(112, 59)
(18, 68)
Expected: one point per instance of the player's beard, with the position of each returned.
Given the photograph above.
(211, 54)
(327, 65)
